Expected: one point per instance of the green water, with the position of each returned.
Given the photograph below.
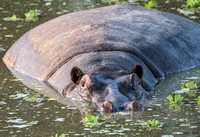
(24, 112)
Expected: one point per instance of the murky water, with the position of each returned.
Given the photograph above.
(24, 112)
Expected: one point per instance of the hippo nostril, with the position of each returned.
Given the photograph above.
(107, 106)
(135, 105)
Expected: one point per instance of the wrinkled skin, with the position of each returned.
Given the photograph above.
(123, 93)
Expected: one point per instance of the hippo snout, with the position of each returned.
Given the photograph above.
(107, 106)
(134, 106)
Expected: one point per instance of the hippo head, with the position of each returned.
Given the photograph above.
(111, 94)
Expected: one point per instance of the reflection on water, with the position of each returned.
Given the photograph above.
(24, 112)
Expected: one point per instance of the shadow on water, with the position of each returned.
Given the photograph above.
(45, 112)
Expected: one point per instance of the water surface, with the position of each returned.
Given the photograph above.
(24, 112)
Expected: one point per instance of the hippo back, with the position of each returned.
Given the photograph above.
(164, 42)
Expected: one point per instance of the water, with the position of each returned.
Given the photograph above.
(24, 112)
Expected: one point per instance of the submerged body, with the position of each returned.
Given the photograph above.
(108, 55)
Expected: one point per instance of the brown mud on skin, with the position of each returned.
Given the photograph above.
(150, 43)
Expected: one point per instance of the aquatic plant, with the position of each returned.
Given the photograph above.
(91, 121)
(32, 15)
(151, 4)
(193, 3)
(175, 98)
(13, 18)
(190, 85)
(36, 97)
(152, 123)
(198, 100)
(33, 123)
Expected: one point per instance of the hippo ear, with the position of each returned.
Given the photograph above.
(76, 75)
(137, 69)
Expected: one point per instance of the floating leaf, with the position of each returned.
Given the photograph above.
(32, 15)
(198, 100)
(193, 3)
(152, 4)
(153, 123)
(33, 123)
(175, 98)
(13, 18)
(34, 98)
(191, 85)
(92, 121)
(9, 36)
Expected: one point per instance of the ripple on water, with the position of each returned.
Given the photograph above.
(193, 17)
(19, 126)
(185, 12)
(177, 133)
(60, 119)
(18, 96)
(3, 103)
(17, 121)
(193, 127)
(2, 49)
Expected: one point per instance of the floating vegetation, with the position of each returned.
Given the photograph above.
(191, 88)
(175, 98)
(92, 121)
(35, 98)
(32, 15)
(33, 123)
(152, 123)
(151, 4)
(13, 18)
(198, 100)
(193, 3)
(9, 36)
(189, 85)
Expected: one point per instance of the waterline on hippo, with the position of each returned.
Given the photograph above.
(110, 55)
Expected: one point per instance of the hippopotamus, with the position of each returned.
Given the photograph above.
(110, 56)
